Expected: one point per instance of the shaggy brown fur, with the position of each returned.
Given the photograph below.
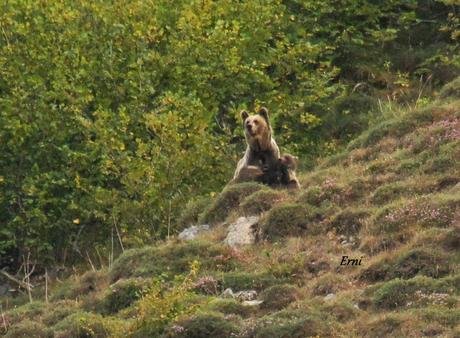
(282, 174)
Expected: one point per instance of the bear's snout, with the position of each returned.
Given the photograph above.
(249, 126)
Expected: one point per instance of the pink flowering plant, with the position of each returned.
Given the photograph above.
(434, 135)
(421, 211)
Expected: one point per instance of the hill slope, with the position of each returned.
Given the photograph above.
(391, 200)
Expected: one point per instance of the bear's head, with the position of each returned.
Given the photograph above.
(289, 161)
(257, 126)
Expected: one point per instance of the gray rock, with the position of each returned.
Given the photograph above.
(330, 296)
(241, 232)
(191, 232)
(246, 295)
(252, 302)
(228, 293)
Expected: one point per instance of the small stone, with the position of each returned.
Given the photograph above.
(330, 296)
(191, 232)
(228, 293)
(246, 295)
(252, 302)
(241, 232)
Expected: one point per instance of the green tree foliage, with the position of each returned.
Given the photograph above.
(113, 114)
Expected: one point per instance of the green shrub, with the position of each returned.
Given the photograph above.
(122, 294)
(229, 199)
(380, 165)
(58, 310)
(313, 195)
(388, 192)
(334, 159)
(397, 292)
(394, 127)
(89, 282)
(292, 220)
(341, 310)
(328, 283)
(451, 240)
(295, 324)
(440, 314)
(30, 311)
(278, 297)
(388, 326)
(172, 259)
(452, 89)
(230, 306)
(445, 160)
(408, 166)
(350, 115)
(239, 281)
(328, 191)
(28, 328)
(261, 201)
(160, 306)
(418, 261)
(348, 221)
(192, 211)
(82, 324)
(204, 325)
(424, 261)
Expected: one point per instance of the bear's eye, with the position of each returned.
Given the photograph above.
(256, 122)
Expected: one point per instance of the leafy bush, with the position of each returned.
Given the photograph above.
(231, 306)
(89, 282)
(279, 296)
(193, 209)
(329, 190)
(58, 311)
(407, 264)
(27, 311)
(348, 221)
(261, 201)
(451, 89)
(415, 291)
(204, 325)
(82, 324)
(28, 328)
(293, 323)
(388, 192)
(229, 199)
(172, 259)
(387, 326)
(239, 281)
(291, 219)
(328, 283)
(122, 294)
(158, 308)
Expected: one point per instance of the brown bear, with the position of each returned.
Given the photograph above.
(262, 152)
(282, 174)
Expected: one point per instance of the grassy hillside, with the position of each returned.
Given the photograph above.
(391, 199)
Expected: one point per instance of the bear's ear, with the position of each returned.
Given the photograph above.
(244, 115)
(295, 162)
(264, 113)
(290, 161)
